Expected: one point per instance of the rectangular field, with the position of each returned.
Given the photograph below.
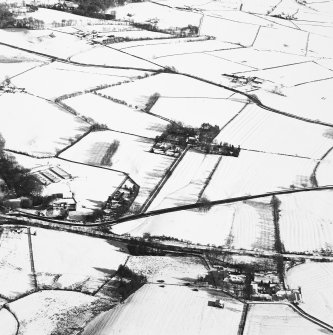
(45, 41)
(117, 116)
(15, 273)
(169, 310)
(126, 153)
(306, 221)
(324, 170)
(36, 126)
(102, 55)
(256, 173)
(259, 129)
(311, 100)
(239, 33)
(168, 18)
(90, 186)
(186, 182)
(242, 225)
(138, 92)
(159, 49)
(196, 111)
(275, 319)
(65, 78)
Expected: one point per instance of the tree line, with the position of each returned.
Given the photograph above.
(18, 180)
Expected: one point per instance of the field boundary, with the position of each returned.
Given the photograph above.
(73, 143)
(164, 179)
(243, 319)
(313, 177)
(209, 177)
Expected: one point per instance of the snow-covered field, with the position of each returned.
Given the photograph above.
(117, 116)
(130, 154)
(276, 319)
(167, 18)
(50, 17)
(102, 55)
(8, 323)
(62, 260)
(65, 78)
(14, 265)
(324, 174)
(172, 270)
(214, 67)
(242, 225)
(256, 173)
(286, 40)
(186, 182)
(295, 74)
(229, 31)
(89, 185)
(167, 85)
(318, 46)
(43, 127)
(139, 34)
(306, 222)
(315, 280)
(14, 62)
(259, 59)
(45, 41)
(52, 312)
(194, 112)
(156, 49)
(258, 129)
(169, 310)
(312, 100)
(9, 70)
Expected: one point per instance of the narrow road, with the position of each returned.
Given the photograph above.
(176, 209)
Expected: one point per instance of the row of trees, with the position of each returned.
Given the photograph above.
(8, 19)
(129, 281)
